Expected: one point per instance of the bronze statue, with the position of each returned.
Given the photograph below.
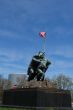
(38, 66)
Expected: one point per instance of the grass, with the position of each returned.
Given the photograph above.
(3, 108)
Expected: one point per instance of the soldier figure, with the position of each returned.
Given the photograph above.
(38, 67)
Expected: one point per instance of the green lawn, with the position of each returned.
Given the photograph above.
(3, 108)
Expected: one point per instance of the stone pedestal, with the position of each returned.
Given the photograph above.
(37, 97)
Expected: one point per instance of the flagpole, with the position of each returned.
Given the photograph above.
(44, 46)
(43, 35)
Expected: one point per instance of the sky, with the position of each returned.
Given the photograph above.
(20, 24)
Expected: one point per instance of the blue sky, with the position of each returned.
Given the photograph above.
(20, 24)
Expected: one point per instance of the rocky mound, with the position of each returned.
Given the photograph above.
(37, 84)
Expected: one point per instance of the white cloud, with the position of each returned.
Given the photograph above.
(6, 33)
(63, 64)
(10, 54)
(65, 51)
(14, 59)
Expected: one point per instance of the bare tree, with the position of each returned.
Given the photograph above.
(63, 82)
(1, 81)
(21, 80)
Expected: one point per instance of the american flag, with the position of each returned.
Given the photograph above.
(42, 34)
